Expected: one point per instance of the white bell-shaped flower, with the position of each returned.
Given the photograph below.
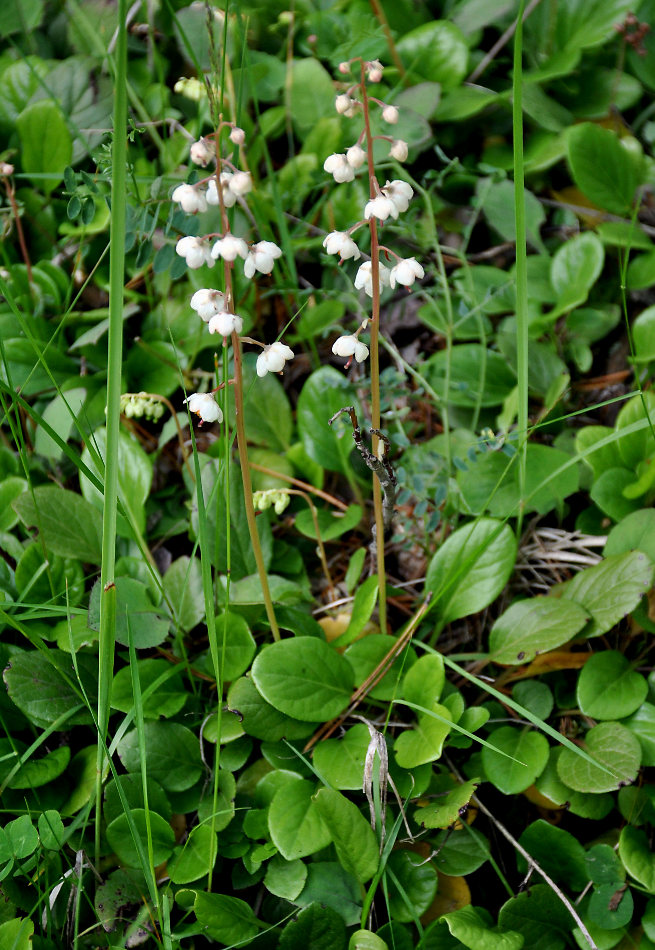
(338, 242)
(350, 345)
(196, 251)
(338, 166)
(202, 152)
(355, 156)
(192, 199)
(380, 207)
(272, 358)
(405, 272)
(229, 196)
(225, 323)
(205, 406)
(229, 248)
(364, 277)
(206, 303)
(260, 258)
(399, 192)
(399, 150)
(241, 183)
(390, 114)
(343, 103)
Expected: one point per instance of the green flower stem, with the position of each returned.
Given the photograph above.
(375, 361)
(114, 366)
(521, 261)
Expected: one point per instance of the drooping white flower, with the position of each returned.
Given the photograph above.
(202, 152)
(272, 358)
(229, 248)
(192, 199)
(399, 192)
(338, 242)
(338, 166)
(229, 196)
(206, 303)
(225, 323)
(380, 207)
(355, 156)
(350, 345)
(196, 251)
(205, 406)
(399, 150)
(344, 67)
(343, 103)
(390, 114)
(364, 277)
(237, 135)
(405, 272)
(241, 183)
(374, 71)
(260, 258)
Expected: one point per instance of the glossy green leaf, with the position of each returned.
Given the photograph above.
(51, 830)
(166, 700)
(132, 788)
(36, 685)
(637, 856)
(352, 836)
(366, 940)
(134, 476)
(476, 375)
(471, 568)
(575, 268)
(611, 906)
(23, 836)
(534, 626)
(285, 878)
(473, 932)
(236, 656)
(183, 589)
(341, 761)
(137, 618)
(37, 772)
(46, 143)
(618, 755)
(17, 933)
(528, 747)
(558, 852)
(423, 743)
(635, 447)
(332, 886)
(539, 915)
(602, 168)
(316, 926)
(332, 524)
(192, 860)
(311, 94)
(69, 525)
(609, 688)
(603, 864)
(584, 804)
(259, 718)
(304, 678)
(608, 490)
(325, 392)
(642, 725)
(120, 839)
(446, 810)
(608, 591)
(368, 652)
(226, 919)
(172, 752)
(435, 51)
(295, 822)
(460, 852)
(424, 681)
(10, 490)
(412, 885)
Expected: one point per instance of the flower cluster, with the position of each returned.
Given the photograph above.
(227, 186)
(141, 405)
(275, 498)
(386, 201)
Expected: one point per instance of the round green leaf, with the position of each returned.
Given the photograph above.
(37, 772)
(460, 852)
(239, 646)
(446, 810)
(583, 804)
(575, 267)
(341, 761)
(183, 588)
(294, 821)
(483, 376)
(70, 526)
(258, 718)
(534, 626)
(534, 696)
(172, 752)
(557, 851)
(120, 838)
(304, 678)
(436, 51)
(636, 530)
(196, 857)
(166, 700)
(643, 328)
(642, 725)
(471, 568)
(412, 885)
(603, 865)
(331, 886)
(424, 742)
(610, 590)
(324, 393)
(36, 685)
(366, 940)
(46, 143)
(318, 927)
(530, 748)
(618, 755)
(366, 653)
(132, 788)
(424, 681)
(23, 837)
(226, 919)
(540, 916)
(51, 830)
(602, 168)
(10, 489)
(636, 446)
(609, 688)
(611, 906)
(285, 878)
(134, 477)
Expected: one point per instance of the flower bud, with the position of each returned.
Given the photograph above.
(355, 156)
(344, 68)
(399, 150)
(6, 168)
(343, 103)
(237, 135)
(390, 114)
(375, 71)
(201, 152)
